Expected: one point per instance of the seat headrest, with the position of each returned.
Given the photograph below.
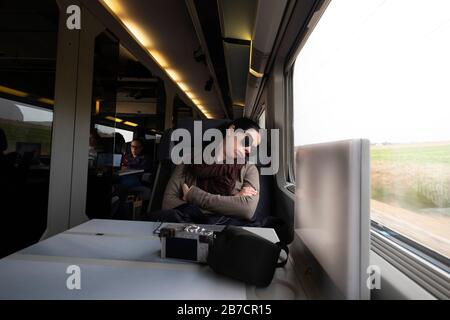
(3, 141)
(165, 145)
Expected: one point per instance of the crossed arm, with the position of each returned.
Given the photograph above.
(241, 205)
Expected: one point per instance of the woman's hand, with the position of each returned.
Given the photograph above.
(185, 190)
(247, 192)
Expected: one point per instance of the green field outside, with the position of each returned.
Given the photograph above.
(18, 131)
(413, 177)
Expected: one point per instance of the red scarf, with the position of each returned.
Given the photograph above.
(215, 178)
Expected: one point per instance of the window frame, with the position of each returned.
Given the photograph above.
(414, 247)
(415, 264)
(289, 80)
(261, 113)
(427, 268)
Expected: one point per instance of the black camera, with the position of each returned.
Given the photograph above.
(187, 242)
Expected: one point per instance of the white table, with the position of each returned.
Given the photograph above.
(118, 260)
(126, 172)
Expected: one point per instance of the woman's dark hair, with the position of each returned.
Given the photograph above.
(244, 124)
(220, 178)
(240, 123)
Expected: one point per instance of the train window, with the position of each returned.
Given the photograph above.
(363, 73)
(28, 48)
(262, 120)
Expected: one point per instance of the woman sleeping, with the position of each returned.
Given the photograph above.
(218, 193)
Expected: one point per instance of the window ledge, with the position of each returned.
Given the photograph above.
(430, 277)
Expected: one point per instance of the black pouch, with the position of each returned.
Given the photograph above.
(245, 256)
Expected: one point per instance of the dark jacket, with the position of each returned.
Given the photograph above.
(140, 162)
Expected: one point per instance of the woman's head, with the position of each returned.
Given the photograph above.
(246, 136)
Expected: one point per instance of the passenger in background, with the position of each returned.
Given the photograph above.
(136, 159)
(219, 193)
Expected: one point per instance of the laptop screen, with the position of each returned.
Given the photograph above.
(109, 160)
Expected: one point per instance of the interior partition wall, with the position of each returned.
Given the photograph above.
(70, 136)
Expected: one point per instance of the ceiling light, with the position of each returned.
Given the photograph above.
(256, 73)
(114, 119)
(47, 101)
(114, 6)
(253, 72)
(202, 109)
(173, 74)
(131, 124)
(159, 58)
(190, 95)
(183, 86)
(13, 92)
(137, 32)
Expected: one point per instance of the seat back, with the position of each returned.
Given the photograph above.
(163, 172)
(266, 204)
(269, 212)
(149, 149)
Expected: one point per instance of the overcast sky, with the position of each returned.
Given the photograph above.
(376, 69)
(12, 110)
